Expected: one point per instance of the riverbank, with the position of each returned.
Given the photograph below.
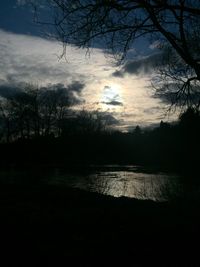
(59, 226)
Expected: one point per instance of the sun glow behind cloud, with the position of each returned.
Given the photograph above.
(111, 97)
(35, 60)
(111, 92)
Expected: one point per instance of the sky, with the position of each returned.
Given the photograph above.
(28, 55)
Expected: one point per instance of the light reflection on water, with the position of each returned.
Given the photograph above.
(117, 181)
(129, 183)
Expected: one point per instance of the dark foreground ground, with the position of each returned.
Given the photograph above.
(55, 226)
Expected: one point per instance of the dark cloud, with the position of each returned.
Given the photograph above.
(109, 118)
(113, 103)
(70, 93)
(118, 74)
(76, 86)
(107, 87)
(103, 116)
(143, 65)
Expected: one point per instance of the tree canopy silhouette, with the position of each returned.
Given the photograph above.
(33, 112)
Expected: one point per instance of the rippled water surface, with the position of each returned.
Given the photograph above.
(129, 181)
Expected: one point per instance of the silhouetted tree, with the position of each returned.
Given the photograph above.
(6, 114)
(89, 122)
(190, 119)
(34, 112)
(137, 131)
(164, 126)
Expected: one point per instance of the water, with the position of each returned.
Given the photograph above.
(127, 182)
(117, 181)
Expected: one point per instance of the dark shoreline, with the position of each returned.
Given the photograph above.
(56, 226)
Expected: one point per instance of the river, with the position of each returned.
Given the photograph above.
(115, 180)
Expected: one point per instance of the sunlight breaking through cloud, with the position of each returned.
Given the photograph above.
(28, 59)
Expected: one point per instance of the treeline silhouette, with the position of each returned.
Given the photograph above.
(38, 127)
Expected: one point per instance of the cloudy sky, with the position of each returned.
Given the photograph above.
(28, 56)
